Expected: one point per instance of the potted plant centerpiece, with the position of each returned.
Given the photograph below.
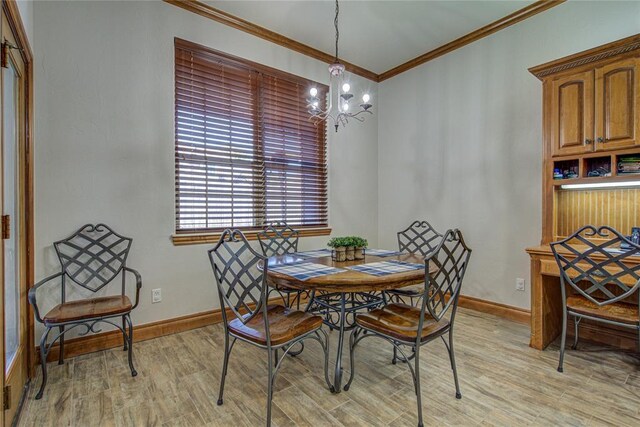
(339, 248)
(347, 248)
(359, 245)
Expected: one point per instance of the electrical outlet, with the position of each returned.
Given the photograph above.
(520, 284)
(156, 295)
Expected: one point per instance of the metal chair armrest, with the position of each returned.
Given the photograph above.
(32, 294)
(138, 283)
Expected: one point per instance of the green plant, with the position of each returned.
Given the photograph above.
(338, 242)
(359, 242)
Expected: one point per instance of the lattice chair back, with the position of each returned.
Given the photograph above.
(450, 258)
(420, 238)
(599, 266)
(240, 274)
(278, 239)
(93, 256)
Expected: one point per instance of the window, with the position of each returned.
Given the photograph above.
(246, 152)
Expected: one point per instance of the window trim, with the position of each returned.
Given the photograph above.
(181, 239)
(202, 236)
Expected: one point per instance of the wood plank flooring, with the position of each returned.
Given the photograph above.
(503, 382)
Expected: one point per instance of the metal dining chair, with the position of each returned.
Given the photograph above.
(409, 327)
(278, 238)
(604, 287)
(420, 238)
(240, 274)
(91, 258)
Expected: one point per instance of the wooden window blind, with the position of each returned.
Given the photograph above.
(246, 153)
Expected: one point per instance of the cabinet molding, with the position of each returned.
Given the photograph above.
(597, 54)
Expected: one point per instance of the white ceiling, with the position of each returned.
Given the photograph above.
(377, 35)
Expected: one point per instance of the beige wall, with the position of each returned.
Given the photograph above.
(460, 140)
(105, 138)
(456, 141)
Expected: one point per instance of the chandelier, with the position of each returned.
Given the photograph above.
(343, 110)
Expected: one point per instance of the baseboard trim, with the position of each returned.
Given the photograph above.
(516, 314)
(112, 339)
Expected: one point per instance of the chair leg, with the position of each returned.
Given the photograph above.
(576, 323)
(452, 357)
(43, 362)
(326, 357)
(564, 338)
(61, 355)
(124, 335)
(417, 384)
(224, 368)
(130, 336)
(395, 356)
(270, 386)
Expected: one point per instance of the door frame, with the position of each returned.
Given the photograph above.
(10, 8)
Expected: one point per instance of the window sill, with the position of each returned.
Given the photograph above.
(208, 238)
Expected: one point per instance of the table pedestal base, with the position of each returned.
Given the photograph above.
(339, 312)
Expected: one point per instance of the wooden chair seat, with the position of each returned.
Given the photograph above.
(88, 309)
(285, 325)
(411, 290)
(617, 311)
(400, 321)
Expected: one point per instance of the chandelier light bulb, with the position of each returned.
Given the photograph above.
(313, 92)
(345, 106)
(315, 104)
(366, 98)
(346, 87)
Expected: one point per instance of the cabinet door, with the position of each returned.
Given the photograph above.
(617, 105)
(571, 112)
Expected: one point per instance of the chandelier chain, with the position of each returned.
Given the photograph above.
(335, 23)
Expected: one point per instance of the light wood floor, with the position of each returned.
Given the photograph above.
(503, 382)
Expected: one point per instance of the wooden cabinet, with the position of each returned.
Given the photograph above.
(618, 105)
(597, 109)
(572, 105)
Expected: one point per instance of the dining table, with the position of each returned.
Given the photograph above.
(339, 296)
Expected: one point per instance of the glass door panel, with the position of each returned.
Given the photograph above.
(10, 201)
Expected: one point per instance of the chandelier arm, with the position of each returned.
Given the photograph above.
(360, 112)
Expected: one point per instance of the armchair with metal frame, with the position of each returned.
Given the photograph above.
(409, 327)
(278, 238)
(240, 274)
(600, 266)
(91, 258)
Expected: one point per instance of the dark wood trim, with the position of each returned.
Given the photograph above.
(112, 339)
(10, 7)
(507, 21)
(266, 34)
(198, 239)
(106, 340)
(217, 15)
(516, 314)
(596, 54)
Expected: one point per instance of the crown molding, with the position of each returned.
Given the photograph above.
(596, 54)
(218, 15)
(500, 24)
(225, 18)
